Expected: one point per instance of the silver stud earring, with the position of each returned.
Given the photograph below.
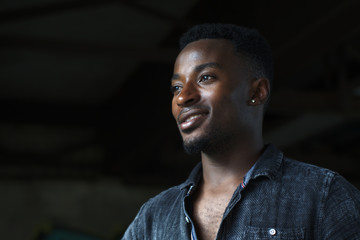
(253, 100)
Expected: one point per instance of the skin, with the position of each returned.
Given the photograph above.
(212, 85)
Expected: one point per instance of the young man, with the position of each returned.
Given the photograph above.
(242, 189)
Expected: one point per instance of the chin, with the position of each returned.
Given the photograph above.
(207, 141)
(190, 148)
(194, 145)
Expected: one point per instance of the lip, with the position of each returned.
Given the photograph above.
(190, 119)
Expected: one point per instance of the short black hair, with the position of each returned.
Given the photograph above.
(247, 42)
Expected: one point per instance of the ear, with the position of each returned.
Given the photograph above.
(259, 91)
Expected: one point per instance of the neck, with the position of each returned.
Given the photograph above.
(228, 167)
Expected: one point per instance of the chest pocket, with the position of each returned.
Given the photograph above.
(255, 233)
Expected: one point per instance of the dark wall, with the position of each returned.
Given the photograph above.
(87, 135)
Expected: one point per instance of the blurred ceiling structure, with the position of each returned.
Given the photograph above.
(85, 84)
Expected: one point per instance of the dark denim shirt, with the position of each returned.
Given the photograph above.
(281, 199)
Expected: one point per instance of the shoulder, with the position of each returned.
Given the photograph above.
(173, 195)
(328, 183)
(307, 173)
(161, 212)
(329, 197)
(315, 180)
(161, 206)
(165, 197)
(337, 199)
(306, 168)
(152, 214)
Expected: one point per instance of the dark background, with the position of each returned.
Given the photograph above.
(86, 132)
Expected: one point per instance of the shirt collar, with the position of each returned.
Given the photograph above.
(267, 165)
(194, 177)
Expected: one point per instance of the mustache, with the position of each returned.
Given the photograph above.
(187, 109)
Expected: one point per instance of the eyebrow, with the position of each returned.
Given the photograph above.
(199, 68)
(175, 76)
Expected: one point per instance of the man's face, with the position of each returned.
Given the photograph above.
(210, 89)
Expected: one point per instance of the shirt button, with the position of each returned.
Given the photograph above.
(272, 232)
(187, 219)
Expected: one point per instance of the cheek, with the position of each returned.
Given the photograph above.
(240, 96)
(230, 105)
(174, 109)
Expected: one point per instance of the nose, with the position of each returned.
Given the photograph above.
(188, 96)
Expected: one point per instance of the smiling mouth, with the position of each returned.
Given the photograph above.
(192, 122)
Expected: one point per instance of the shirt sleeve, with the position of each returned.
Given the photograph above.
(341, 211)
(136, 228)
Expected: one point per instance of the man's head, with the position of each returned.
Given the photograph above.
(248, 43)
(219, 87)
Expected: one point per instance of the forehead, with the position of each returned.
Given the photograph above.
(220, 51)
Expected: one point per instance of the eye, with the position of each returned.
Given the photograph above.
(206, 77)
(175, 89)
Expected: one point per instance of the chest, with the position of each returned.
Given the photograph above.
(208, 213)
(257, 211)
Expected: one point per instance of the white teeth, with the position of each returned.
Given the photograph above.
(192, 117)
